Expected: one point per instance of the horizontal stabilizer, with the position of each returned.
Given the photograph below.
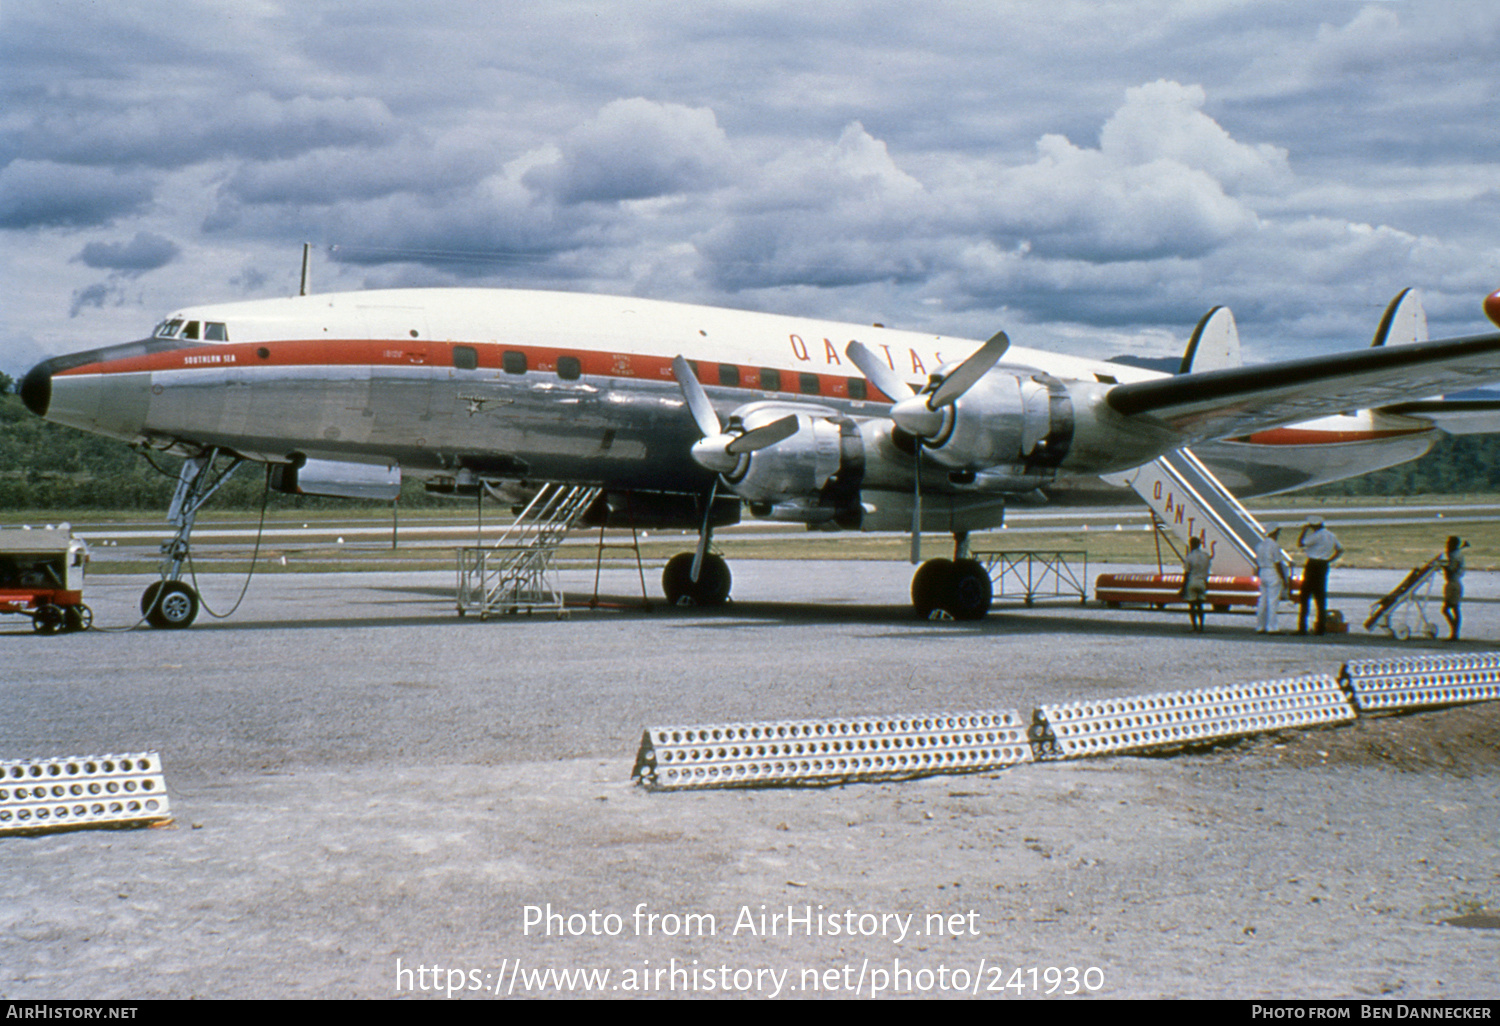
(1453, 416)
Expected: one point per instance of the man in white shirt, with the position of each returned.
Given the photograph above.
(1271, 568)
(1321, 548)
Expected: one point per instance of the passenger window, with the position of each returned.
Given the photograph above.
(808, 383)
(513, 362)
(465, 357)
(857, 389)
(191, 331)
(729, 375)
(770, 380)
(568, 368)
(215, 332)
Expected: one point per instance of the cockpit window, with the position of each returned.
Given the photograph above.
(191, 331)
(215, 332)
(168, 329)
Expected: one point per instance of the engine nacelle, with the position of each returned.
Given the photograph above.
(811, 476)
(1006, 420)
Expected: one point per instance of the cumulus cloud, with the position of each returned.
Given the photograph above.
(1164, 121)
(95, 295)
(636, 149)
(38, 194)
(170, 132)
(146, 252)
(997, 165)
(830, 216)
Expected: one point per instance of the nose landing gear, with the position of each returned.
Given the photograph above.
(171, 603)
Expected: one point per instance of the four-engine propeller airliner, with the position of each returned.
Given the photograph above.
(681, 414)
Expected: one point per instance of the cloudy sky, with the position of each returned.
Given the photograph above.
(1091, 176)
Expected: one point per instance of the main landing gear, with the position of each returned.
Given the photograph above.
(959, 588)
(171, 603)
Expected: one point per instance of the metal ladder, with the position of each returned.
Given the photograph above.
(1187, 499)
(517, 573)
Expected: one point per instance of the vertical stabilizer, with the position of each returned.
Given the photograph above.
(1215, 344)
(1404, 321)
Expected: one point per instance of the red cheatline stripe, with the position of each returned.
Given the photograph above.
(490, 356)
(1310, 436)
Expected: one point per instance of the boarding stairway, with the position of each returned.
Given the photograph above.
(1189, 501)
(518, 573)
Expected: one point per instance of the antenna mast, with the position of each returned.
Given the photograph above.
(306, 268)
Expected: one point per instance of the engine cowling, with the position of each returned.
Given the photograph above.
(812, 476)
(1005, 420)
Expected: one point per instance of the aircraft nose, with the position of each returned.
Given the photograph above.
(36, 388)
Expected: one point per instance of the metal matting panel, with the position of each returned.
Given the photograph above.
(1175, 718)
(1411, 682)
(830, 751)
(40, 795)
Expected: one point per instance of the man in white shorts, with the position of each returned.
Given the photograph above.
(1271, 567)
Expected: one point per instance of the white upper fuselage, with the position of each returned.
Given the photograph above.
(619, 325)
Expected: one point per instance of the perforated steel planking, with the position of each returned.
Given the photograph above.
(829, 751)
(42, 795)
(1176, 718)
(1414, 681)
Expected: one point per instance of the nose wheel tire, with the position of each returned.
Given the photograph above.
(169, 605)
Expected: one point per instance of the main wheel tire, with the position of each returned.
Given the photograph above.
(169, 605)
(930, 585)
(709, 590)
(970, 591)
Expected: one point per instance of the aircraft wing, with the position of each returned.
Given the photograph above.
(1241, 400)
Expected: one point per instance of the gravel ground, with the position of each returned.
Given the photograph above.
(374, 798)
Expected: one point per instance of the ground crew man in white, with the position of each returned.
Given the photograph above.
(1321, 548)
(1270, 564)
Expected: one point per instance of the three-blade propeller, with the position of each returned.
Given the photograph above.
(920, 413)
(720, 450)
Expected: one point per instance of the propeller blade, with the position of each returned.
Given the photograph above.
(697, 399)
(764, 436)
(876, 370)
(965, 375)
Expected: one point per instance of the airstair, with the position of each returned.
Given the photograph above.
(1189, 501)
(518, 572)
